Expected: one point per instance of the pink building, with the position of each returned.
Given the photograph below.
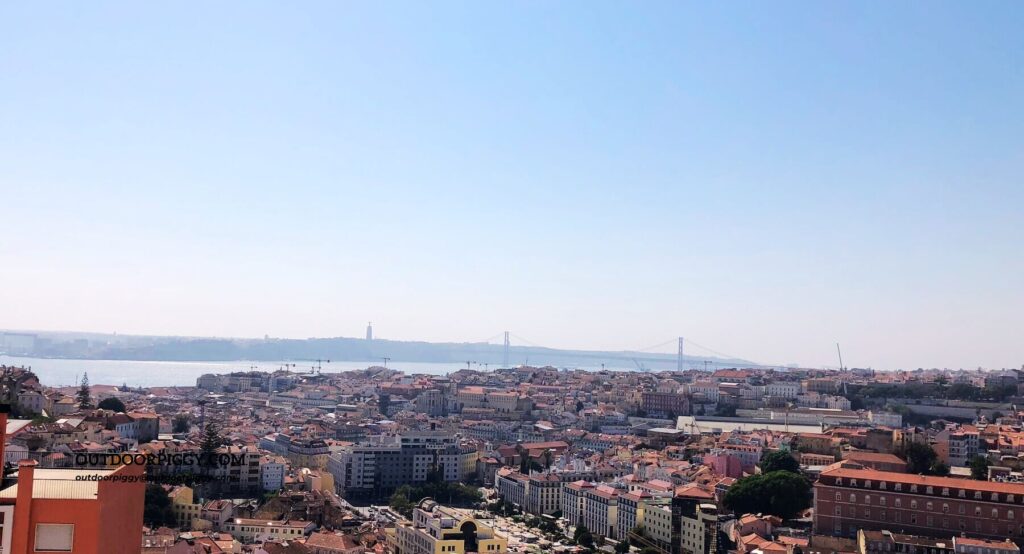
(724, 462)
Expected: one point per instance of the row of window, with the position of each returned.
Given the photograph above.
(897, 517)
(929, 506)
(961, 493)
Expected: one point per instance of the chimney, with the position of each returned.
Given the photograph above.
(23, 506)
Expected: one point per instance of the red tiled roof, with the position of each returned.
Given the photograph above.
(926, 480)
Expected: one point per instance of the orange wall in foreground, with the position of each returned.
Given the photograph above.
(109, 524)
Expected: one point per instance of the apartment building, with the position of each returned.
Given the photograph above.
(378, 468)
(782, 389)
(308, 452)
(572, 501)
(543, 493)
(847, 499)
(667, 404)
(657, 525)
(272, 470)
(600, 510)
(630, 513)
(956, 447)
(511, 486)
(183, 506)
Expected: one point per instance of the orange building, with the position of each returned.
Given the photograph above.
(79, 511)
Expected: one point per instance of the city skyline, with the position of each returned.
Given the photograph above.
(768, 180)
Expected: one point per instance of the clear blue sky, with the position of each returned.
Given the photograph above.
(765, 178)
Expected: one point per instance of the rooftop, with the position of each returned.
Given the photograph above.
(61, 484)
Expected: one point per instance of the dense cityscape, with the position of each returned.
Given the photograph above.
(528, 277)
(522, 459)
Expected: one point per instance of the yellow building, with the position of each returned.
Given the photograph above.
(183, 506)
(436, 529)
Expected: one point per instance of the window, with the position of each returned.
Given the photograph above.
(54, 537)
(898, 503)
(867, 499)
(867, 484)
(945, 508)
(883, 501)
(928, 490)
(853, 498)
(995, 513)
(913, 504)
(913, 488)
(839, 497)
(960, 509)
(1009, 514)
(945, 491)
(898, 487)
(928, 506)
(881, 486)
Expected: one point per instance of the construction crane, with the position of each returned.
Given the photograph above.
(386, 360)
(318, 367)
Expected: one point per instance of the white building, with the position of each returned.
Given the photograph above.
(272, 471)
(252, 530)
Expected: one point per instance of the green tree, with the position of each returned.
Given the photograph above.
(112, 404)
(181, 424)
(583, 537)
(962, 391)
(920, 458)
(779, 493)
(940, 469)
(622, 547)
(83, 395)
(779, 460)
(157, 511)
(212, 440)
(400, 502)
(979, 468)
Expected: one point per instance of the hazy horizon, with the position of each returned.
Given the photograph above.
(766, 179)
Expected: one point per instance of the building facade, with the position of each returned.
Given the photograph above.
(848, 499)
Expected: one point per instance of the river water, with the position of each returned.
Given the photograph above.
(54, 372)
